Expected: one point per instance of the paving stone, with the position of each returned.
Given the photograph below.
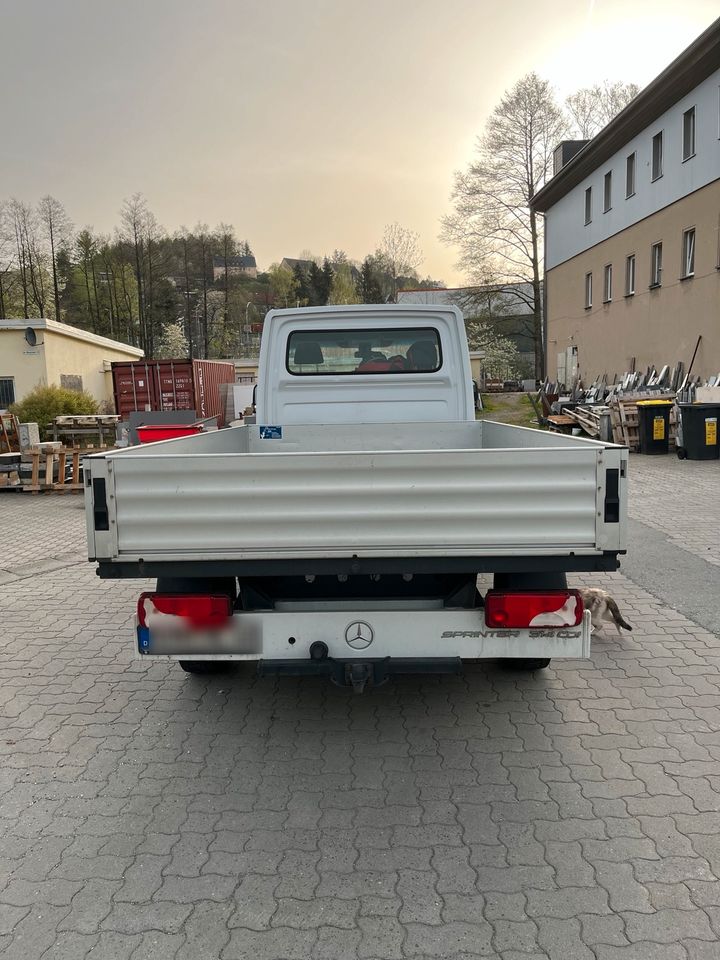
(450, 939)
(148, 814)
(668, 926)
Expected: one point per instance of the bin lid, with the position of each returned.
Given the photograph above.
(701, 406)
(655, 403)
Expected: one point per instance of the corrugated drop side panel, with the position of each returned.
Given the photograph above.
(207, 377)
(388, 503)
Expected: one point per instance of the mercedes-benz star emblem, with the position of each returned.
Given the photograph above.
(359, 635)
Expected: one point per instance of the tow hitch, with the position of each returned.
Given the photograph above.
(358, 674)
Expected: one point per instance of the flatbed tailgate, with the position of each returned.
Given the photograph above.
(466, 502)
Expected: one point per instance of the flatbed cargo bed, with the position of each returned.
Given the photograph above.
(378, 497)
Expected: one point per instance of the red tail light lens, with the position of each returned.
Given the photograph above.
(543, 609)
(200, 610)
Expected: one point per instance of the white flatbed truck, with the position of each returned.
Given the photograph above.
(342, 533)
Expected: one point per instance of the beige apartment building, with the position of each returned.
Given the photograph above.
(632, 231)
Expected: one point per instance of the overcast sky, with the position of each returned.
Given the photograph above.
(306, 125)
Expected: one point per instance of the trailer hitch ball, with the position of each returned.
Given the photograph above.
(318, 650)
(357, 675)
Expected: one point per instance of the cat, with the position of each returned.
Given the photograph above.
(602, 608)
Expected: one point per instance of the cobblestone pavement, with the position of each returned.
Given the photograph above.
(687, 512)
(573, 814)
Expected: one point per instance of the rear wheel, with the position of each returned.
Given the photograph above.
(555, 580)
(218, 585)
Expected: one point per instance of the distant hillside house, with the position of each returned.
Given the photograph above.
(236, 267)
(291, 262)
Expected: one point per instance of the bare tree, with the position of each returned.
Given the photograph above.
(8, 264)
(498, 235)
(141, 229)
(58, 231)
(401, 249)
(132, 215)
(227, 244)
(592, 108)
(30, 256)
(204, 243)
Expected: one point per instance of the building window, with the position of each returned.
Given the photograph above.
(588, 205)
(689, 134)
(688, 253)
(7, 392)
(588, 291)
(607, 191)
(630, 275)
(656, 265)
(630, 176)
(657, 156)
(607, 283)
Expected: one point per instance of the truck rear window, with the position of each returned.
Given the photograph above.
(312, 353)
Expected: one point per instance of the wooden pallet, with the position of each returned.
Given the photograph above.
(624, 418)
(43, 471)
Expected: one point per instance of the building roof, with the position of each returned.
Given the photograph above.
(693, 65)
(65, 330)
(509, 299)
(245, 262)
(292, 262)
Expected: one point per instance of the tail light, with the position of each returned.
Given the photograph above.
(200, 610)
(533, 608)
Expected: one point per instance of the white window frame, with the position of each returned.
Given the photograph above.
(630, 271)
(656, 266)
(607, 283)
(688, 253)
(656, 172)
(689, 124)
(588, 205)
(607, 191)
(630, 165)
(588, 290)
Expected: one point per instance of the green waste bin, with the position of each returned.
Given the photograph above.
(654, 425)
(699, 431)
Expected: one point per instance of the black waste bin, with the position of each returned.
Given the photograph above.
(699, 431)
(654, 425)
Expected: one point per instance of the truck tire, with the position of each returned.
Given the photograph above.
(227, 585)
(529, 581)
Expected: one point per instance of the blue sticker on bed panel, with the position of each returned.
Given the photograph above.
(271, 433)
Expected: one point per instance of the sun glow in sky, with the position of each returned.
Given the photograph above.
(307, 126)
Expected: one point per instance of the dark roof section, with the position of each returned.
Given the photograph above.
(292, 262)
(235, 262)
(693, 65)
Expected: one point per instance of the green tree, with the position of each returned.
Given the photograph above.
(343, 289)
(43, 404)
(282, 285)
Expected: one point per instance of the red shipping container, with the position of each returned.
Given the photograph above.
(171, 385)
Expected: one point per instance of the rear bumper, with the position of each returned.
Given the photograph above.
(361, 634)
(360, 566)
